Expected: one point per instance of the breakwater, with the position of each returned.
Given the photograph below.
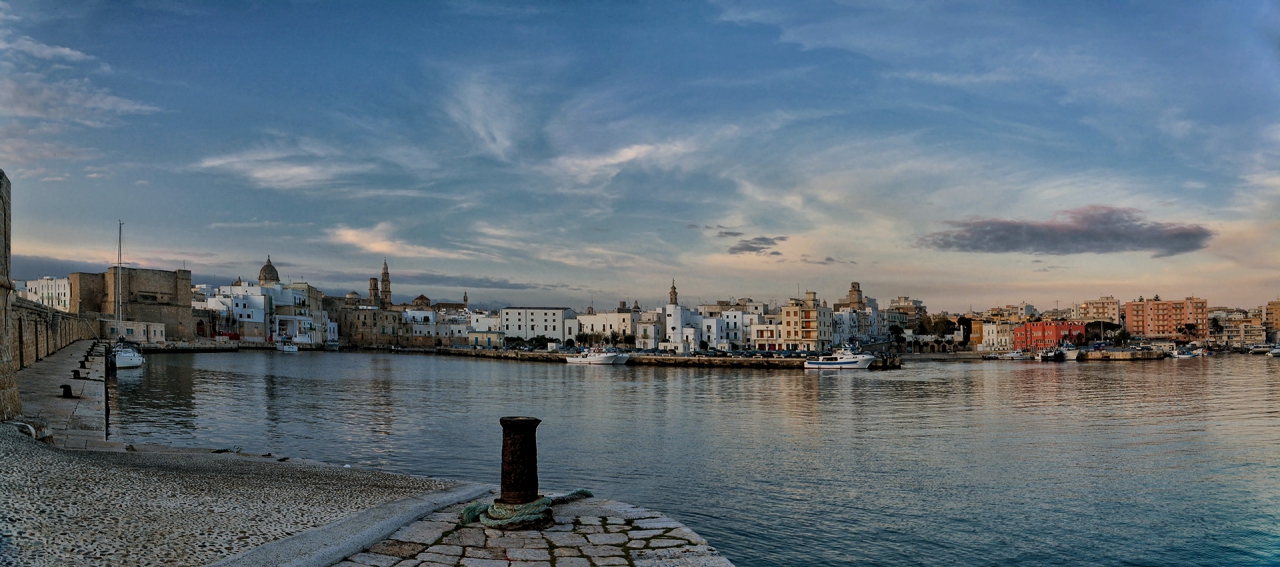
(1121, 355)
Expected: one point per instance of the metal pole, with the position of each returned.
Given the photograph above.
(519, 460)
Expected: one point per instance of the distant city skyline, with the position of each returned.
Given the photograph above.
(528, 154)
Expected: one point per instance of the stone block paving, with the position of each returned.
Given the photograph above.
(587, 533)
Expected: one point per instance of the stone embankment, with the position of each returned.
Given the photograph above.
(78, 421)
(32, 332)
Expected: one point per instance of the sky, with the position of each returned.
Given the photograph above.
(969, 154)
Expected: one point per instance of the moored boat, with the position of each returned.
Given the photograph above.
(592, 357)
(1275, 352)
(126, 356)
(621, 358)
(285, 344)
(841, 360)
(1260, 349)
(1015, 355)
(1052, 355)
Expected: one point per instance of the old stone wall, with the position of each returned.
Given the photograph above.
(10, 405)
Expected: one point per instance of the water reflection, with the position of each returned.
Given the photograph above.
(1169, 463)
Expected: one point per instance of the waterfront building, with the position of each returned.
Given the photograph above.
(1271, 316)
(1012, 313)
(485, 321)
(650, 330)
(269, 311)
(1038, 335)
(1154, 318)
(997, 336)
(48, 291)
(807, 323)
(532, 322)
(150, 296)
(1106, 308)
(617, 324)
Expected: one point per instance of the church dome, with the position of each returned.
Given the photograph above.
(353, 295)
(268, 274)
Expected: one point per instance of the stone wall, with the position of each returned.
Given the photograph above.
(10, 405)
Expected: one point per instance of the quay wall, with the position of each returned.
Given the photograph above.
(1127, 355)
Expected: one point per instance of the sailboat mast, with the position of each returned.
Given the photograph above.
(119, 264)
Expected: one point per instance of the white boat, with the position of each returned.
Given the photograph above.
(621, 358)
(1015, 355)
(1275, 352)
(594, 357)
(127, 356)
(1260, 349)
(1184, 354)
(840, 360)
(286, 345)
(331, 345)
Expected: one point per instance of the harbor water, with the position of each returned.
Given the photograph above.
(1173, 462)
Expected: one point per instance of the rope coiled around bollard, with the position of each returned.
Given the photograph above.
(535, 514)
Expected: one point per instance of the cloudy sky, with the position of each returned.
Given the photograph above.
(566, 152)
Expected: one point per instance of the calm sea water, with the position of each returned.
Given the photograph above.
(993, 463)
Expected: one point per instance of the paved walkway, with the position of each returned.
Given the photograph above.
(76, 423)
(588, 533)
(177, 508)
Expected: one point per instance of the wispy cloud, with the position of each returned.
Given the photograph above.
(588, 168)
(1095, 229)
(42, 51)
(34, 95)
(379, 240)
(486, 112)
(305, 165)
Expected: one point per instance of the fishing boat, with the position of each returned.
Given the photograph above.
(843, 359)
(1260, 349)
(1053, 355)
(592, 357)
(1015, 355)
(285, 344)
(123, 354)
(621, 358)
(1184, 354)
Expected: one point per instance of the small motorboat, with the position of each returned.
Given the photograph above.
(1015, 355)
(840, 360)
(1275, 352)
(285, 344)
(1260, 349)
(1184, 354)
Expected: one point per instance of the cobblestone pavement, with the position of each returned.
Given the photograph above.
(183, 508)
(587, 533)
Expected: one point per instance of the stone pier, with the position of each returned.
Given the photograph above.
(587, 533)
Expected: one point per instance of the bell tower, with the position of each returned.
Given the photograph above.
(373, 291)
(674, 295)
(386, 283)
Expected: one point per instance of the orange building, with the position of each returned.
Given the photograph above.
(1045, 334)
(1155, 319)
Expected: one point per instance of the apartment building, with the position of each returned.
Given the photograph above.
(1159, 319)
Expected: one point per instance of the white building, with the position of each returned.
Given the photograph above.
(531, 322)
(996, 336)
(49, 291)
(263, 313)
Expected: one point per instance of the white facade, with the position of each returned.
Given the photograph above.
(531, 322)
(49, 291)
(292, 312)
(996, 337)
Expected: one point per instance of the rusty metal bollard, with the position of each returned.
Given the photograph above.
(66, 391)
(519, 460)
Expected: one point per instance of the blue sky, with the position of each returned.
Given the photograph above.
(566, 152)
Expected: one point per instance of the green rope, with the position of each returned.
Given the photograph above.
(518, 516)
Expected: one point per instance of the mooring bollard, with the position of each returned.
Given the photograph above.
(66, 391)
(82, 363)
(519, 460)
(75, 374)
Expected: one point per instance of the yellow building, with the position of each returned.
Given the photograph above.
(806, 324)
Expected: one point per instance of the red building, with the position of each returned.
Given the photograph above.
(1045, 334)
